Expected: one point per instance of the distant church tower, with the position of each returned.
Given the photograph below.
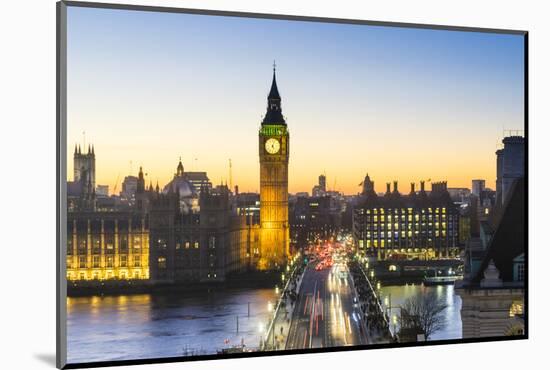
(84, 165)
(274, 153)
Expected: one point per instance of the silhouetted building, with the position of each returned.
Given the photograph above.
(84, 165)
(188, 193)
(510, 165)
(248, 205)
(493, 290)
(129, 188)
(313, 219)
(459, 195)
(320, 189)
(81, 195)
(477, 187)
(102, 190)
(203, 246)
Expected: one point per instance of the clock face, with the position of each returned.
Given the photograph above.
(272, 146)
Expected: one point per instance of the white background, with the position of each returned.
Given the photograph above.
(27, 181)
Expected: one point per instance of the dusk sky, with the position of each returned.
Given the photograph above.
(401, 104)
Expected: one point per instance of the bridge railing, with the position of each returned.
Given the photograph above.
(269, 343)
(378, 305)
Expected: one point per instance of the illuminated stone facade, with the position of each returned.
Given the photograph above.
(107, 246)
(274, 156)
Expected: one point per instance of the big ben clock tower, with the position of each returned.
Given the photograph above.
(274, 152)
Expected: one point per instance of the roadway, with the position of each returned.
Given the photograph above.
(325, 314)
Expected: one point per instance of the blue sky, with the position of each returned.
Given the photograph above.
(399, 103)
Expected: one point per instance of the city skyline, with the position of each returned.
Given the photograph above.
(455, 88)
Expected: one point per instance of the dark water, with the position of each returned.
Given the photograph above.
(152, 326)
(445, 293)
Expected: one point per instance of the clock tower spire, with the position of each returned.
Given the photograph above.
(274, 113)
(274, 155)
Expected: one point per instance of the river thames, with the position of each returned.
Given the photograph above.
(155, 326)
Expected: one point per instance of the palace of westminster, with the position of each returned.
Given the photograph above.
(190, 231)
(187, 232)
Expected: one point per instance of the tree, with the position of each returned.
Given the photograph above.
(425, 312)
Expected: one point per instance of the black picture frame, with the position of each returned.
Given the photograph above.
(61, 175)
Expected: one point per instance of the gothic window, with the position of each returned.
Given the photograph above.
(82, 242)
(137, 242)
(96, 243)
(123, 242)
(109, 243)
(69, 244)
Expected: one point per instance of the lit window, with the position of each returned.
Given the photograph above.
(162, 262)
(516, 308)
